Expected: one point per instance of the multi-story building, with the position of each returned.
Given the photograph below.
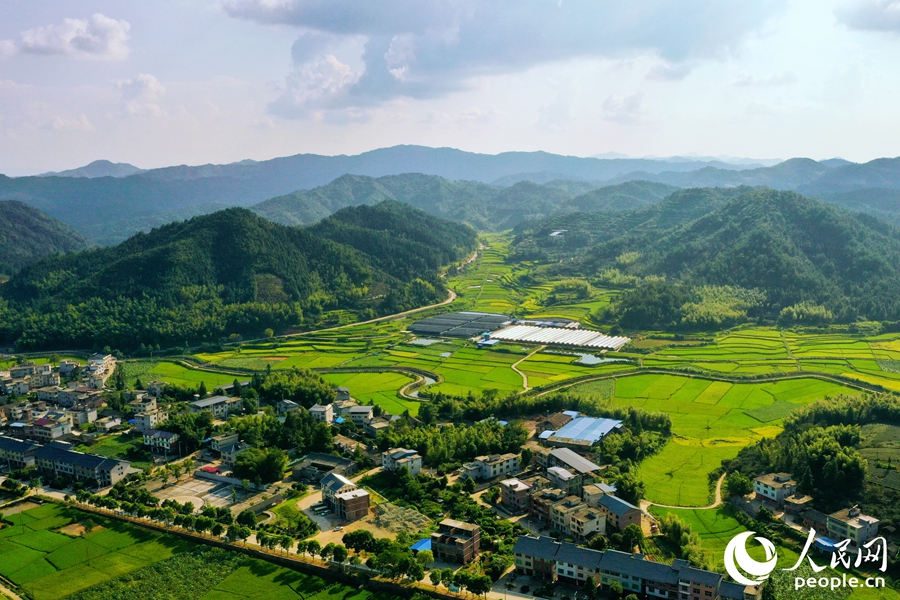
(564, 479)
(108, 424)
(393, 459)
(23, 370)
(322, 413)
(374, 426)
(547, 558)
(592, 493)
(456, 541)
(220, 406)
(224, 439)
(161, 442)
(514, 495)
(342, 394)
(16, 454)
(334, 484)
(147, 421)
(619, 514)
(46, 430)
(67, 366)
(143, 403)
(286, 406)
(360, 415)
(851, 524)
(585, 522)
(541, 502)
(774, 487)
(488, 467)
(81, 416)
(58, 458)
(352, 504)
(232, 451)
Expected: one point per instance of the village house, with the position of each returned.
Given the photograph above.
(514, 495)
(851, 524)
(17, 454)
(58, 458)
(488, 467)
(774, 487)
(220, 406)
(322, 413)
(456, 541)
(619, 514)
(161, 442)
(393, 459)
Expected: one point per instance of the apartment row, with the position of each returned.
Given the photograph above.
(545, 557)
(58, 458)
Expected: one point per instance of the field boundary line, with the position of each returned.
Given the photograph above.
(859, 385)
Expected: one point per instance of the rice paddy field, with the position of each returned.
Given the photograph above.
(46, 563)
(380, 388)
(711, 422)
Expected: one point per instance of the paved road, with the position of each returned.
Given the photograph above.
(5, 590)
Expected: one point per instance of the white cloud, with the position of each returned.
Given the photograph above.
(627, 110)
(99, 37)
(142, 95)
(870, 15)
(316, 84)
(429, 49)
(786, 78)
(78, 124)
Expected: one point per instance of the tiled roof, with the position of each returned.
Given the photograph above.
(15, 445)
(543, 547)
(615, 505)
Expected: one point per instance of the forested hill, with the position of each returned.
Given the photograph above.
(27, 234)
(231, 272)
(799, 252)
(399, 239)
(483, 206)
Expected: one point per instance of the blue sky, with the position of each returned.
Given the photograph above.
(197, 81)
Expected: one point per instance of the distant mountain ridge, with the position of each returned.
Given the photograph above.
(98, 168)
(108, 209)
(27, 235)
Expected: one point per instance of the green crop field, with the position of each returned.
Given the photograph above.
(711, 422)
(48, 565)
(380, 388)
(174, 373)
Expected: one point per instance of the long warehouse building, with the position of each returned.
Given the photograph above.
(581, 338)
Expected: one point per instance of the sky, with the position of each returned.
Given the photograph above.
(216, 81)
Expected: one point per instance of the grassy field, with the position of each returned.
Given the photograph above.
(711, 422)
(116, 446)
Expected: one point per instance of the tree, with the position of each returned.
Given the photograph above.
(632, 536)
(469, 485)
(339, 553)
(326, 551)
(217, 529)
(247, 518)
(264, 464)
(737, 484)
(435, 577)
(301, 547)
(527, 455)
(313, 547)
(479, 584)
(286, 542)
(425, 557)
(234, 495)
(615, 589)
(590, 587)
(202, 391)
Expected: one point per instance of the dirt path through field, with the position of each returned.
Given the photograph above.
(515, 365)
(645, 504)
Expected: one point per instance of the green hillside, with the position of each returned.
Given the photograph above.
(27, 234)
(807, 261)
(224, 273)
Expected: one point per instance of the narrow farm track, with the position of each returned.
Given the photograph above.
(516, 364)
(8, 592)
